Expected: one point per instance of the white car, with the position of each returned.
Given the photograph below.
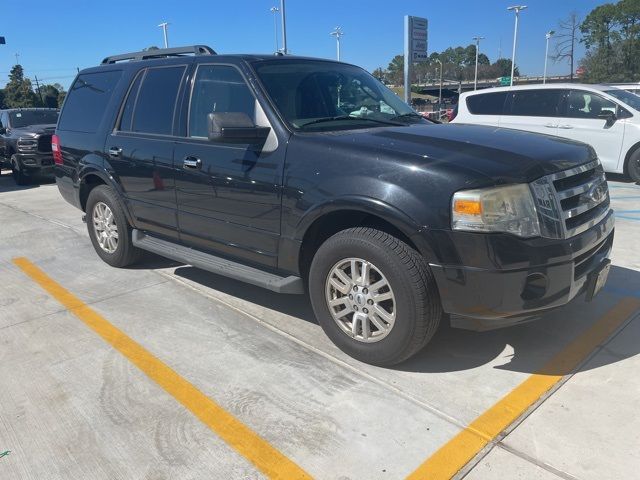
(629, 87)
(605, 117)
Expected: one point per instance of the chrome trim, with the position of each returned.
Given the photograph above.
(574, 171)
(586, 226)
(572, 192)
(585, 207)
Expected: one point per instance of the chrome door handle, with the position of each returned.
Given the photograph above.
(115, 151)
(192, 162)
(551, 125)
(566, 127)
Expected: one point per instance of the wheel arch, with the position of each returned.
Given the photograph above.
(634, 148)
(328, 219)
(91, 177)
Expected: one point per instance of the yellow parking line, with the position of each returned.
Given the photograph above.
(245, 441)
(461, 449)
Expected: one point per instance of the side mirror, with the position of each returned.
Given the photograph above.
(609, 116)
(235, 127)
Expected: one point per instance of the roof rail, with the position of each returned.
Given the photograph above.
(161, 53)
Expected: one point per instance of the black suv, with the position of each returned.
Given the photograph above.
(300, 174)
(25, 142)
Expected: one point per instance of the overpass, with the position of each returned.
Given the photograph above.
(451, 88)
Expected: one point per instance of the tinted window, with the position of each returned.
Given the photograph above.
(218, 88)
(582, 104)
(127, 111)
(536, 103)
(487, 103)
(24, 118)
(87, 100)
(157, 100)
(629, 98)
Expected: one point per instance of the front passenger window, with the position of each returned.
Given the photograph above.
(582, 104)
(218, 88)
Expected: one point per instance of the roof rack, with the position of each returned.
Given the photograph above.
(161, 53)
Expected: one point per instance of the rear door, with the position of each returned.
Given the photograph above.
(533, 110)
(582, 120)
(140, 149)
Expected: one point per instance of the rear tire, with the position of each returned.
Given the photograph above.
(20, 178)
(398, 326)
(109, 229)
(633, 166)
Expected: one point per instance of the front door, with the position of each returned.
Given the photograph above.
(141, 149)
(229, 195)
(583, 121)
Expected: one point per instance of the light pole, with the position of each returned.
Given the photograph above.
(440, 93)
(164, 26)
(475, 78)
(285, 50)
(275, 11)
(338, 33)
(549, 34)
(517, 9)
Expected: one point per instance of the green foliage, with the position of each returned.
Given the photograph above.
(18, 92)
(2, 104)
(611, 33)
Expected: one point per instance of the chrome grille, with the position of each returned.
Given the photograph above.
(44, 143)
(572, 201)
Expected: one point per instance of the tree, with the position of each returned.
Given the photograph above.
(380, 74)
(396, 69)
(2, 104)
(18, 92)
(503, 68)
(566, 40)
(49, 94)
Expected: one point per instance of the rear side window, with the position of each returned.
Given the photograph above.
(127, 111)
(87, 101)
(487, 103)
(536, 103)
(156, 101)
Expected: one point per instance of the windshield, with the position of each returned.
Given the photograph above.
(24, 118)
(319, 96)
(629, 98)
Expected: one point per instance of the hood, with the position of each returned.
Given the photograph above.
(36, 129)
(500, 154)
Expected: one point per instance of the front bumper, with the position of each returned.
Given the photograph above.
(36, 164)
(502, 280)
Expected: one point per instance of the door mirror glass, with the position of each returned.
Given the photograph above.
(235, 127)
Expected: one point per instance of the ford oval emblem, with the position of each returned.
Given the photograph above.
(597, 193)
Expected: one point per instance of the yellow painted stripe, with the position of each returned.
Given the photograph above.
(455, 454)
(245, 441)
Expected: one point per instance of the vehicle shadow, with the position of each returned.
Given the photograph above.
(451, 350)
(7, 184)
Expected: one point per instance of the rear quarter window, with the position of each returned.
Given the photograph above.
(87, 101)
(487, 103)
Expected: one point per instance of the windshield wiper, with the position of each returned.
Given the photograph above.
(349, 117)
(408, 115)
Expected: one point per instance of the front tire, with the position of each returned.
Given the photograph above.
(109, 229)
(633, 167)
(374, 296)
(20, 178)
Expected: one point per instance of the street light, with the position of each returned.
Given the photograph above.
(338, 33)
(517, 9)
(275, 11)
(475, 80)
(164, 26)
(549, 34)
(283, 17)
(440, 93)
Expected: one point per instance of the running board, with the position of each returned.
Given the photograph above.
(221, 266)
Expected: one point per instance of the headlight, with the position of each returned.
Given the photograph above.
(507, 209)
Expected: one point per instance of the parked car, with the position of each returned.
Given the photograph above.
(603, 116)
(25, 142)
(247, 166)
(629, 87)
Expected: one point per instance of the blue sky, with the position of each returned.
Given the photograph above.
(52, 42)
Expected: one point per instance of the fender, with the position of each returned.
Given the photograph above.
(98, 170)
(371, 206)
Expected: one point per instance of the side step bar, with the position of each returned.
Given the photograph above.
(221, 266)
